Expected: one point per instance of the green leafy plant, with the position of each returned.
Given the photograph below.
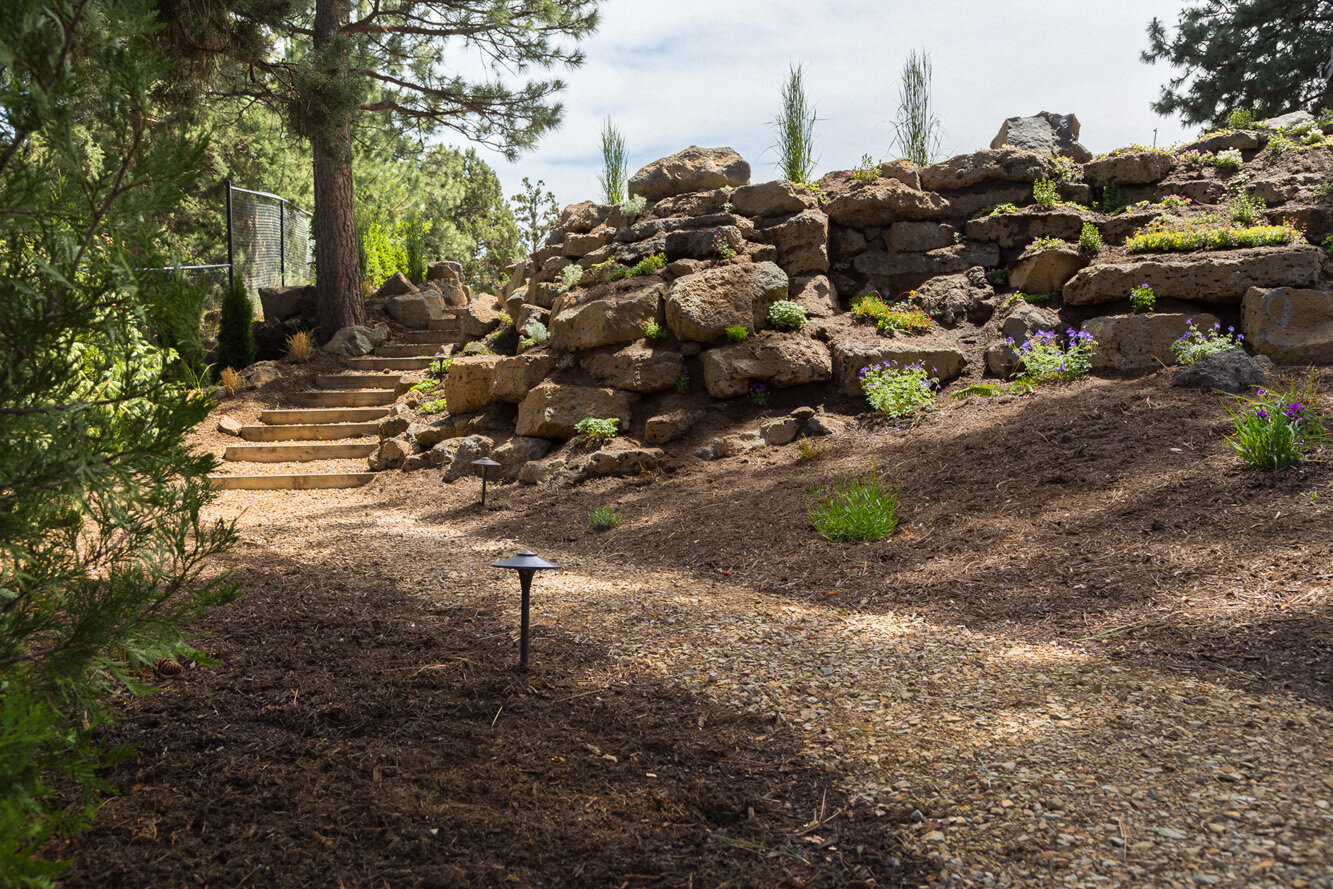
(1142, 299)
(866, 171)
(236, 337)
(1045, 243)
(413, 235)
(380, 251)
(1043, 357)
(632, 206)
(570, 276)
(1175, 200)
(424, 386)
(597, 430)
(1275, 429)
(786, 315)
(683, 380)
(1169, 233)
(737, 333)
(916, 127)
(439, 368)
(604, 518)
(1240, 119)
(1246, 210)
(437, 406)
(534, 334)
(811, 451)
(895, 390)
(1046, 193)
(1089, 239)
(1195, 343)
(795, 127)
(859, 507)
(1067, 170)
(1036, 298)
(1280, 143)
(897, 317)
(609, 270)
(984, 390)
(653, 332)
(721, 246)
(1113, 199)
(995, 210)
(615, 165)
(758, 395)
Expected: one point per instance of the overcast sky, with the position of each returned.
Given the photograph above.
(675, 73)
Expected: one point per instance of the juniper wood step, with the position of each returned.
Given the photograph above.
(294, 482)
(375, 362)
(330, 398)
(308, 432)
(297, 416)
(357, 381)
(408, 350)
(299, 453)
(422, 337)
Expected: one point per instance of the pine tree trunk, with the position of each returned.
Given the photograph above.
(337, 269)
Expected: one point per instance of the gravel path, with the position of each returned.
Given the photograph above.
(1021, 765)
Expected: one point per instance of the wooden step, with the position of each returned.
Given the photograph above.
(323, 415)
(422, 337)
(295, 482)
(375, 362)
(345, 397)
(308, 432)
(357, 381)
(408, 350)
(298, 453)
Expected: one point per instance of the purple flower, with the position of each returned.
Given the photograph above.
(1294, 411)
(1261, 413)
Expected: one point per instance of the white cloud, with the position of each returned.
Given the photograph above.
(673, 73)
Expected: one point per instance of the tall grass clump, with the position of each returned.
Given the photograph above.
(917, 127)
(860, 507)
(1275, 429)
(615, 164)
(795, 127)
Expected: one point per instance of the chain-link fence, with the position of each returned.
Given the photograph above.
(268, 240)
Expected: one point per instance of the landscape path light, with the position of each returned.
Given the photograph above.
(485, 463)
(526, 563)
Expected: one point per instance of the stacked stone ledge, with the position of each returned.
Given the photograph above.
(912, 233)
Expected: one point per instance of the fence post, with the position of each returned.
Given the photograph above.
(282, 242)
(231, 258)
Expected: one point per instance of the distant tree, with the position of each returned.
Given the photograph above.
(536, 212)
(102, 539)
(329, 65)
(1262, 56)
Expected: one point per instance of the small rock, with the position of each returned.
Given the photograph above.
(389, 427)
(229, 425)
(1230, 371)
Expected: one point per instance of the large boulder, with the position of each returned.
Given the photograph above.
(281, 303)
(700, 307)
(623, 460)
(636, 367)
(1218, 277)
(802, 242)
(481, 316)
(390, 454)
(463, 452)
(397, 285)
(1046, 270)
(770, 358)
(814, 294)
(1240, 140)
(1230, 371)
(616, 314)
(772, 199)
(518, 451)
(882, 202)
(896, 272)
(1139, 342)
(670, 425)
(416, 310)
(1019, 229)
(991, 165)
(1289, 324)
(919, 237)
(551, 410)
(357, 340)
(1287, 121)
(1044, 133)
(475, 382)
(942, 357)
(1140, 167)
(694, 169)
(953, 299)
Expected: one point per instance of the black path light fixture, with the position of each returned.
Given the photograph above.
(526, 563)
(485, 463)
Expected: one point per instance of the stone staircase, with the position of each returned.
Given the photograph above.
(337, 421)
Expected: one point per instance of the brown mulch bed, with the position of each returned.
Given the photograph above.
(353, 735)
